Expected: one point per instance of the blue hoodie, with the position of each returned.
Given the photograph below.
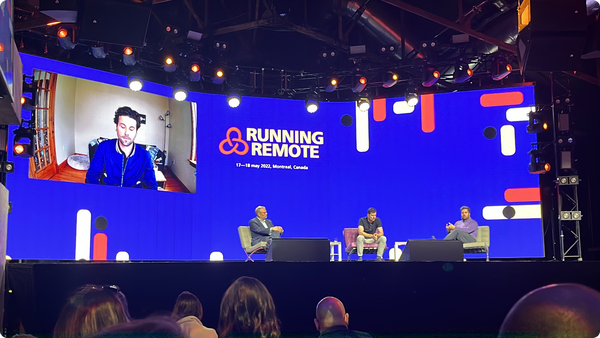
(136, 171)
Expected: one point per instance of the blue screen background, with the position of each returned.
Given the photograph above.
(417, 181)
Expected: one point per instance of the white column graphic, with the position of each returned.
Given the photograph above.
(362, 130)
(83, 235)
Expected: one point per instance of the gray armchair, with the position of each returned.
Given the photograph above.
(246, 240)
(482, 245)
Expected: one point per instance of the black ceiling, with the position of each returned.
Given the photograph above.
(275, 47)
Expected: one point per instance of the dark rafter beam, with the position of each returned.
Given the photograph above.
(453, 25)
(243, 26)
(319, 36)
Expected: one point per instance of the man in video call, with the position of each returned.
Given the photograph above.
(125, 163)
(370, 231)
(261, 228)
(464, 230)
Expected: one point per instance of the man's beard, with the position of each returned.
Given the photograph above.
(125, 142)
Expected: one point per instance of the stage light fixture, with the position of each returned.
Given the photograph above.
(62, 33)
(180, 93)
(501, 69)
(311, 103)
(128, 57)
(65, 39)
(411, 97)
(538, 165)
(27, 103)
(538, 122)
(462, 73)
(359, 86)
(23, 141)
(234, 100)
(390, 79)
(136, 83)
(363, 103)
(568, 180)
(169, 64)
(332, 85)
(98, 51)
(430, 77)
(195, 74)
(219, 76)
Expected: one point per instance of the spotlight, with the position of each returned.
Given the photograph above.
(65, 39)
(390, 79)
(169, 64)
(331, 85)
(98, 52)
(195, 73)
(411, 97)
(234, 100)
(311, 103)
(24, 142)
(27, 103)
(128, 57)
(180, 93)
(219, 76)
(538, 165)
(430, 77)
(462, 73)
(136, 83)
(360, 85)
(363, 103)
(538, 122)
(501, 69)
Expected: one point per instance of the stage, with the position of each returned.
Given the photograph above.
(385, 298)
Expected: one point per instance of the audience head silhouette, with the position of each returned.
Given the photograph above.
(247, 309)
(557, 310)
(153, 327)
(90, 310)
(330, 312)
(187, 304)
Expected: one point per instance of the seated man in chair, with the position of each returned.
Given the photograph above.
(262, 229)
(464, 230)
(370, 231)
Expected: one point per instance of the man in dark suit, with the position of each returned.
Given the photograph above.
(261, 228)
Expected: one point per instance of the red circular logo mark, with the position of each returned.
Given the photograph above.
(233, 143)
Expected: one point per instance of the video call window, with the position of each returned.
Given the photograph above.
(91, 132)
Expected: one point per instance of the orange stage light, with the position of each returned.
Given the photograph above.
(19, 149)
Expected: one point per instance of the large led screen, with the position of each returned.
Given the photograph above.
(315, 173)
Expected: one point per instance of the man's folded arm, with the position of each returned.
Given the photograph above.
(256, 227)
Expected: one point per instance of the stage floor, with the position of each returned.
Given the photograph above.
(386, 298)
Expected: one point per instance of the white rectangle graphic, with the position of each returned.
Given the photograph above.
(525, 211)
(83, 235)
(507, 140)
(362, 130)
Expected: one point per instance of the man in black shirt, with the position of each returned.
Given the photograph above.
(370, 231)
(332, 320)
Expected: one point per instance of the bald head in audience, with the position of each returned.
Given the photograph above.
(330, 312)
(557, 310)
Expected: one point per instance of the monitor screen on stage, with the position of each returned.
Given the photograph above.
(316, 174)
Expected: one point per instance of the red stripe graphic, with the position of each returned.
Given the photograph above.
(100, 245)
(501, 99)
(379, 110)
(522, 195)
(427, 113)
